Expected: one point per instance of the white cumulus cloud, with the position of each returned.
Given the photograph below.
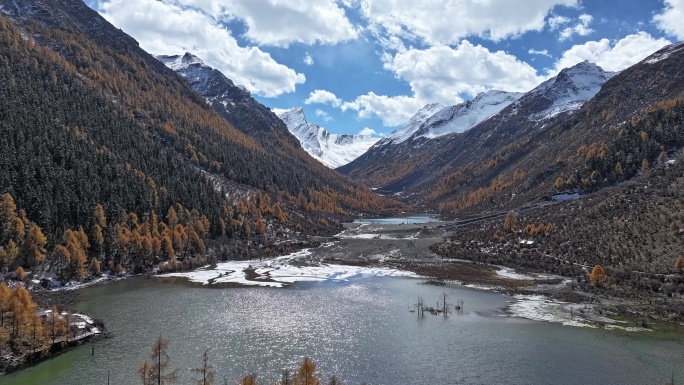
(165, 27)
(308, 59)
(323, 97)
(671, 19)
(282, 22)
(580, 29)
(446, 21)
(556, 21)
(367, 132)
(442, 73)
(393, 111)
(542, 52)
(612, 55)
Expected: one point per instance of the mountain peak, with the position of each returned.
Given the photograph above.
(569, 90)
(191, 59)
(332, 150)
(294, 117)
(180, 62)
(412, 125)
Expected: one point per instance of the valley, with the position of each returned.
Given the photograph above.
(483, 208)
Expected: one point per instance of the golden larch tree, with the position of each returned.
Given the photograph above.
(248, 379)
(206, 374)
(33, 247)
(306, 375)
(679, 263)
(509, 221)
(155, 371)
(598, 276)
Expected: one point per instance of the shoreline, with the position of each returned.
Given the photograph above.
(382, 249)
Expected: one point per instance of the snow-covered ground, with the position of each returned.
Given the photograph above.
(507, 272)
(377, 236)
(284, 271)
(541, 308)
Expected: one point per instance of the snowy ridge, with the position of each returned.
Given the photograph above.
(664, 53)
(463, 116)
(204, 79)
(410, 128)
(178, 62)
(332, 150)
(570, 89)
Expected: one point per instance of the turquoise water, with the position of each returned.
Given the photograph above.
(361, 331)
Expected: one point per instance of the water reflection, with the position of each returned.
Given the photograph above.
(362, 331)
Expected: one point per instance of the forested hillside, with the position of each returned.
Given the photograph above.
(88, 118)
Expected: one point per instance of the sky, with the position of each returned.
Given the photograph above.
(366, 66)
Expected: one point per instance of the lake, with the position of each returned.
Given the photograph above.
(361, 331)
(407, 219)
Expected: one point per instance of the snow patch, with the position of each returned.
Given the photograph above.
(664, 53)
(283, 271)
(412, 126)
(541, 308)
(464, 116)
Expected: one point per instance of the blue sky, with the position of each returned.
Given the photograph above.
(369, 65)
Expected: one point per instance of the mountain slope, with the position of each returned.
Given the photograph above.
(446, 164)
(431, 122)
(332, 150)
(462, 117)
(622, 130)
(412, 126)
(130, 134)
(233, 102)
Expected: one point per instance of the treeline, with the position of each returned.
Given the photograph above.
(121, 242)
(157, 370)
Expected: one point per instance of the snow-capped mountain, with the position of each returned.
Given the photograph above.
(570, 89)
(463, 116)
(208, 82)
(456, 136)
(232, 101)
(332, 150)
(204, 79)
